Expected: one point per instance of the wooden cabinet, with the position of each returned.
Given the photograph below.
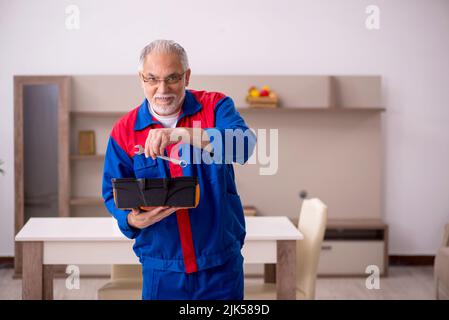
(351, 257)
(350, 246)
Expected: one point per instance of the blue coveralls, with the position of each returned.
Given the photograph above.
(194, 253)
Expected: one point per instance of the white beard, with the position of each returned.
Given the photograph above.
(165, 110)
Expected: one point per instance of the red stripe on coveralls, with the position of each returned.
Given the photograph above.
(182, 216)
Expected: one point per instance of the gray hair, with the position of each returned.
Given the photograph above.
(164, 46)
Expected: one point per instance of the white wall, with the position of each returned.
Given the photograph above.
(253, 37)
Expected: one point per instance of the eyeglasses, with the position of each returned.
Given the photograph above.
(173, 79)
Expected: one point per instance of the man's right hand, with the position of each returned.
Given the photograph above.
(142, 219)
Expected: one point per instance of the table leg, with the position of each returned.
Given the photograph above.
(32, 271)
(48, 272)
(269, 274)
(286, 270)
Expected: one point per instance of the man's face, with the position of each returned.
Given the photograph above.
(165, 97)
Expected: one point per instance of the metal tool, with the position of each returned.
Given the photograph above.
(182, 163)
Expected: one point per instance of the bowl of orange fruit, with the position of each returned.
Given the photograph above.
(262, 98)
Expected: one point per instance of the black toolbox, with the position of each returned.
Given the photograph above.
(175, 192)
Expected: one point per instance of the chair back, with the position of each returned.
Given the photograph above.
(312, 224)
(446, 236)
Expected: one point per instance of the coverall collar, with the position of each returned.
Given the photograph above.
(145, 119)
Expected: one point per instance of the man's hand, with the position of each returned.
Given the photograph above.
(142, 219)
(158, 139)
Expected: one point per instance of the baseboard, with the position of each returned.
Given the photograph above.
(394, 260)
(411, 260)
(7, 262)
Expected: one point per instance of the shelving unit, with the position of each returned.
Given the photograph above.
(83, 201)
(90, 203)
(98, 101)
(86, 170)
(331, 115)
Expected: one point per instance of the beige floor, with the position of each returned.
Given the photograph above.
(403, 283)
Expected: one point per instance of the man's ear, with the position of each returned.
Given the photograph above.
(139, 74)
(187, 75)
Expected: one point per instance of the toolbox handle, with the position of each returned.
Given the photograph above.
(141, 187)
(144, 184)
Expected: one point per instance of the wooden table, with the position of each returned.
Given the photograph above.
(65, 241)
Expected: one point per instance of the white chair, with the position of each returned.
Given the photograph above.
(125, 284)
(312, 224)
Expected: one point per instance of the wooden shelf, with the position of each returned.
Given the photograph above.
(118, 114)
(86, 201)
(302, 109)
(249, 210)
(98, 114)
(356, 224)
(87, 157)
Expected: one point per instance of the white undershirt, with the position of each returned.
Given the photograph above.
(167, 121)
